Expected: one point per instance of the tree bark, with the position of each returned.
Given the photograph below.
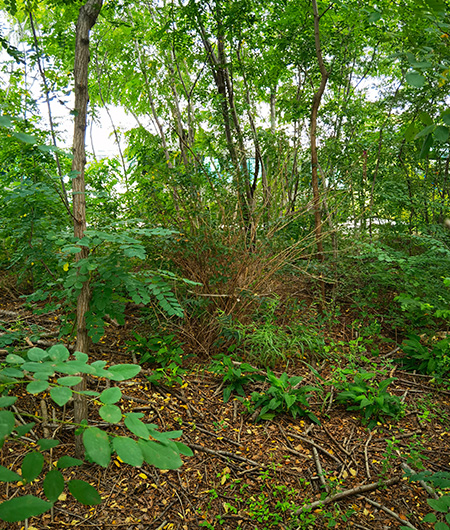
(86, 19)
(312, 133)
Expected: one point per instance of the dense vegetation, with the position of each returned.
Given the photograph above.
(281, 200)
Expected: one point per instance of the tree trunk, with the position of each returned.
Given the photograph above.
(86, 19)
(313, 128)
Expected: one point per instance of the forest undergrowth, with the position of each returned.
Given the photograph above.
(298, 418)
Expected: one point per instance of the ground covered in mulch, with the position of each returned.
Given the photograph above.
(243, 475)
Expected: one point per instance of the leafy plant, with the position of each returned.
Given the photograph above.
(432, 360)
(440, 480)
(156, 350)
(235, 376)
(284, 395)
(372, 400)
(39, 371)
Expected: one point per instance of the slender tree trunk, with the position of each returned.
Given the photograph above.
(86, 19)
(313, 128)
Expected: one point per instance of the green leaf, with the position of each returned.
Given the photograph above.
(374, 17)
(60, 395)
(110, 413)
(128, 450)
(441, 133)
(68, 461)
(184, 449)
(32, 465)
(37, 386)
(84, 492)
(58, 353)
(425, 118)
(427, 143)
(441, 526)
(446, 117)
(6, 475)
(47, 443)
(21, 508)
(424, 132)
(96, 443)
(53, 485)
(111, 395)
(440, 505)
(415, 79)
(27, 138)
(159, 455)
(14, 359)
(430, 518)
(37, 354)
(79, 356)
(5, 121)
(70, 380)
(136, 426)
(121, 372)
(7, 422)
(7, 401)
(22, 430)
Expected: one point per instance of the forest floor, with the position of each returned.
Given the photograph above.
(243, 475)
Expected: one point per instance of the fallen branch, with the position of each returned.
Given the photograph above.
(224, 454)
(348, 493)
(390, 512)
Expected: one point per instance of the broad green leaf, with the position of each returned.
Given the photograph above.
(26, 138)
(128, 450)
(21, 508)
(34, 387)
(159, 455)
(440, 505)
(424, 132)
(7, 422)
(58, 353)
(441, 133)
(68, 461)
(111, 395)
(53, 485)
(415, 79)
(136, 426)
(426, 146)
(374, 17)
(22, 430)
(184, 449)
(84, 492)
(96, 443)
(14, 359)
(7, 401)
(6, 475)
(79, 356)
(110, 413)
(70, 380)
(37, 354)
(47, 443)
(5, 121)
(425, 118)
(430, 518)
(441, 526)
(121, 372)
(60, 395)
(446, 117)
(32, 465)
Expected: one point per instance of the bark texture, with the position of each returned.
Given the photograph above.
(86, 19)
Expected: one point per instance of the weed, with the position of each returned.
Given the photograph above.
(433, 360)
(235, 377)
(285, 394)
(372, 400)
